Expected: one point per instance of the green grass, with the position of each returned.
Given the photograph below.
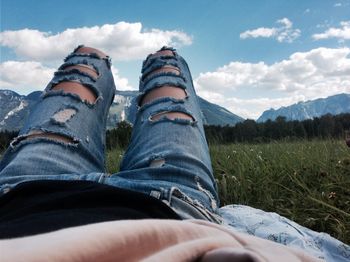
(306, 181)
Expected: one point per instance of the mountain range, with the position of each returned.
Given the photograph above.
(334, 105)
(15, 108)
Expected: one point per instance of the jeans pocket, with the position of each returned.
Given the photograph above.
(189, 208)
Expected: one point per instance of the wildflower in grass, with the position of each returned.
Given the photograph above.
(332, 195)
(234, 178)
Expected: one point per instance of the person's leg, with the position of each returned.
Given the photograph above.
(168, 152)
(65, 132)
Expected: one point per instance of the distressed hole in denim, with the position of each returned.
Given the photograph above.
(64, 115)
(83, 68)
(164, 91)
(164, 69)
(171, 115)
(159, 162)
(41, 134)
(84, 92)
(90, 50)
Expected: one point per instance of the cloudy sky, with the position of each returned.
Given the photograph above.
(247, 56)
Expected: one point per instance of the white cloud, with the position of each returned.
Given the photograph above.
(29, 76)
(24, 77)
(282, 33)
(337, 5)
(245, 88)
(122, 41)
(259, 32)
(342, 33)
(121, 83)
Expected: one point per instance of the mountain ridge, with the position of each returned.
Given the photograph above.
(334, 105)
(15, 108)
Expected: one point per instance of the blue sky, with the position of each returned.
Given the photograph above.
(247, 56)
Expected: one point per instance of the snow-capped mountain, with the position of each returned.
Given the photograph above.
(14, 108)
(334, 105)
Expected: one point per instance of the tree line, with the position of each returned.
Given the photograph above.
(327, 126)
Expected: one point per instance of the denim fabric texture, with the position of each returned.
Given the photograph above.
(167, 158)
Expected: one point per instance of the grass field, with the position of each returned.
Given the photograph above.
(306, 181)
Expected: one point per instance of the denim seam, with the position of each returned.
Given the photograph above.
(160, 74)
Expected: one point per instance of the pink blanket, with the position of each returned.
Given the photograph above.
(146, 240)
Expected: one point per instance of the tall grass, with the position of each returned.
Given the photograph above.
(306, 181)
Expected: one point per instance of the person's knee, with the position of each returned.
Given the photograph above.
(166, 90)
(84, 92)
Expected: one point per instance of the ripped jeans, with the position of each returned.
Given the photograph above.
(168, 158)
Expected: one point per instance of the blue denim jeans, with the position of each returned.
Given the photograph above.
(167, 158)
